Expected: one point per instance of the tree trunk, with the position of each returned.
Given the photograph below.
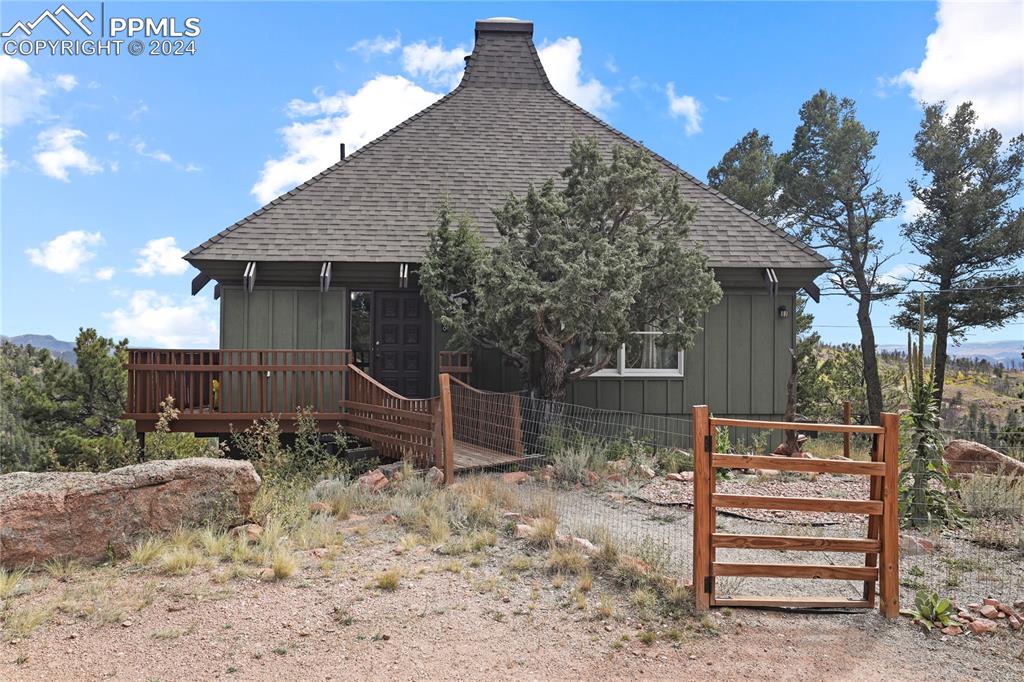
(869, 355)
(941, 343)
(553, 375)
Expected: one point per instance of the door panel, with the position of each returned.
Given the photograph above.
(400, 338)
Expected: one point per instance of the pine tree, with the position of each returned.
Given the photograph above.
(968, 230)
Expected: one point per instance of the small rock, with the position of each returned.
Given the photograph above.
(989, 611)
(250, 531)
(319, 508)
(617, 478)
(981, 626)
(681, 477)
(435, 476)
(373, 481)
(914, 546)
(1014, 622)
(592, 478)
(267, 574)
(990, 602)
(523, 531)
(515, 477)
(126, 623)
(1006, 608)
(390, 519)
(952, 630)
(175, 607)
(647, 471)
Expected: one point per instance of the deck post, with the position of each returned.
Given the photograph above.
(889, 565)
(702, 524)
(444, 382)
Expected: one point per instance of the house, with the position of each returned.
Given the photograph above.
(332, 265)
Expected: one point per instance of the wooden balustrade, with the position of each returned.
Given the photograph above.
(398, 427)
(213, 389)
(456, 363)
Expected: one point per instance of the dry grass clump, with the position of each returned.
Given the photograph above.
(605, 607)
(567, 561)
(146, 551)
(545, 533)
(283, 563)
(62, 569)
(319, 531)
(389, 579)
(987, 495)
(452, 566)
(180, 560)
(12, 582)
(19, 623)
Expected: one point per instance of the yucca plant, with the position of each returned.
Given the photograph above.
(926, 487)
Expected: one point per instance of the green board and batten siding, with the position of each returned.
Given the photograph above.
(283, 317)
(738, 365)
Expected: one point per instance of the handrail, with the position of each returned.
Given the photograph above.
(796, 426)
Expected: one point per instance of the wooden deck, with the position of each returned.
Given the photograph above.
(469, 457)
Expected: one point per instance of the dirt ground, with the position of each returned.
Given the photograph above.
(461, 618)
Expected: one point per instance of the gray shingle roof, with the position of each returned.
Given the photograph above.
(502, 128)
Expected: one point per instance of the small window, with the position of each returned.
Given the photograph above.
(642, 356)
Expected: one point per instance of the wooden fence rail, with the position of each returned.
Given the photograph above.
(880, 548)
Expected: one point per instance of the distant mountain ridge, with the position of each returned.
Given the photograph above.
(1006, 352)
(64, 350)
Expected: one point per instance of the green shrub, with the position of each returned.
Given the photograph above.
(987, 495)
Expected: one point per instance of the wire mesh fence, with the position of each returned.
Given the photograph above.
(628, 476)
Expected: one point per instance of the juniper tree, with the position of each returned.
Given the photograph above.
(970, 234)
(577, 266)
(831, 191)
(747, 175)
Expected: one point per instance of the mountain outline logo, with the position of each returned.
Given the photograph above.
(28, 27)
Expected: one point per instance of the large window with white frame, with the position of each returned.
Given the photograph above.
(642, 356)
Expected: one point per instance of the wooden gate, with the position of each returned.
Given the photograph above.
(880, 548)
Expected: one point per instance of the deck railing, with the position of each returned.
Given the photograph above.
(456, 363)
(396, 426)
(492, 421)
(225, 384)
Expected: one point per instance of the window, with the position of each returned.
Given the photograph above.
(641, 356)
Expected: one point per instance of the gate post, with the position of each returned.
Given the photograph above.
(889, 564)
(702, 513)
(444, 382)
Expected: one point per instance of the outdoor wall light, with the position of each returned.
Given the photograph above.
(783, 312)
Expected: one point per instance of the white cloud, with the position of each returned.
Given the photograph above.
(976, 53)
(65, 253)
(157, 155)
(561, 60)
(897, 274)
(441, 67)
(160, 257)
(368, 47)
(685, 106)
(58, 152)
(912, 208)
(104, 274)
(21, 93)
(65, 82)
(378, 105)
(160, 320)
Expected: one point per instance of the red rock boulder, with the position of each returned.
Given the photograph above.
(966, 457)
(55, 515)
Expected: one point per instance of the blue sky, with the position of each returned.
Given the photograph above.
(114, 165)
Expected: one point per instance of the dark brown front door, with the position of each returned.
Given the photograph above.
(400, 332)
